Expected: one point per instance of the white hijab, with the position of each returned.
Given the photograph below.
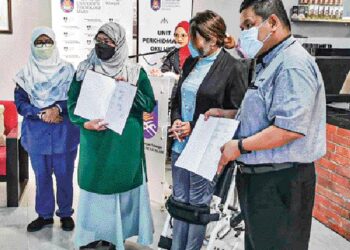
(118, 65)
(45, 81)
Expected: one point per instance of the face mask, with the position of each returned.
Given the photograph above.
(193, 50)
(43, 53)
(249, 42)
(104, 51)
(198, 53)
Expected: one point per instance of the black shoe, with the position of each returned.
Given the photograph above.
(38, 224)
(90, 246)
(110, 246)
(67, 223)
(98, 244)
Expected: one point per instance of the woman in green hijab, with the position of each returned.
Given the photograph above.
(114, 201)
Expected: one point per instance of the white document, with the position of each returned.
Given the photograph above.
(101, 97)
(202, 152)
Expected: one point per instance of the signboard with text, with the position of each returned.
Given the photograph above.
(155, 126)
(76, 22)
(157, 21)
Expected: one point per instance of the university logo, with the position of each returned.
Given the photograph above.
(155, 4)
(67, 5)
(164, 21)
(150, 123)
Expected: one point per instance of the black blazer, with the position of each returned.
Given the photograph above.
(223, 87)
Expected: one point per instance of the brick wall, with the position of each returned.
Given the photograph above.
(332, 201)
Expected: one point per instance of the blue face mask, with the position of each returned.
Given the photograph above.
(249, 42)
(193, 50)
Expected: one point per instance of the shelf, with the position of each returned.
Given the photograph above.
(343, 21)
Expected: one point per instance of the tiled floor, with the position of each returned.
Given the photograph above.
(13, 235)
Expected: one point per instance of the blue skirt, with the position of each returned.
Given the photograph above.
(114, 218)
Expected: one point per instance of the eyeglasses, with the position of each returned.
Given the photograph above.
(180, 35)
(104, 41)
(45, 44)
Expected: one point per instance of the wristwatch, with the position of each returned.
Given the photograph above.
(240, 147)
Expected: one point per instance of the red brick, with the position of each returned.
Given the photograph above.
(342, 170)
(329, 136)
(327, 183)
(331, 147)
(324, 182)
(343, 192)
(340, 180)
(343, 132)
(341, 140)
(343, 151)
(332, 218)
(328, 155)
(326, 163)
(332, 196)
(340, 160)
(320, 171)
(331, 128)
(323, 201)
(333, 221)
(319, 215)
(317, 165)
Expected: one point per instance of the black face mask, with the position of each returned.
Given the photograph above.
(104, 51)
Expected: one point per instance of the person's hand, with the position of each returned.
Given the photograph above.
(97, 125)
(155, 72)
(51, 115)
(175, 129)
(229, 152)
(120, 78)
(185, 130)
(229, 42)
(214, 112)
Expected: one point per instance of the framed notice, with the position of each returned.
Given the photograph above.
(76, 23)
(5, 17)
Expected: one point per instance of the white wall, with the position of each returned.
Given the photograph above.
(14, 48)
(228, 9)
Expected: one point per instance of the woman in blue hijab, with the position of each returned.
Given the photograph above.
(48, 136)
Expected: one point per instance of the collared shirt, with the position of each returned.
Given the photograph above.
(189, 93)
(288, 93)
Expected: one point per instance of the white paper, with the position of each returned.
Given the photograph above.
(101, 97)
(202, 152)
(95, 95)
(120, 106)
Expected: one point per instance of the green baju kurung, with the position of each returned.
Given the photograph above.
(111, 163)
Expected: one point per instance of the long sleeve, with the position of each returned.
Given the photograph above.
(73, 95)
(24, 107)
(144, 100)
(62, 106)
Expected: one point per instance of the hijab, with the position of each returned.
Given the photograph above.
(184, 52)
(118, 65)
(46, 81)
